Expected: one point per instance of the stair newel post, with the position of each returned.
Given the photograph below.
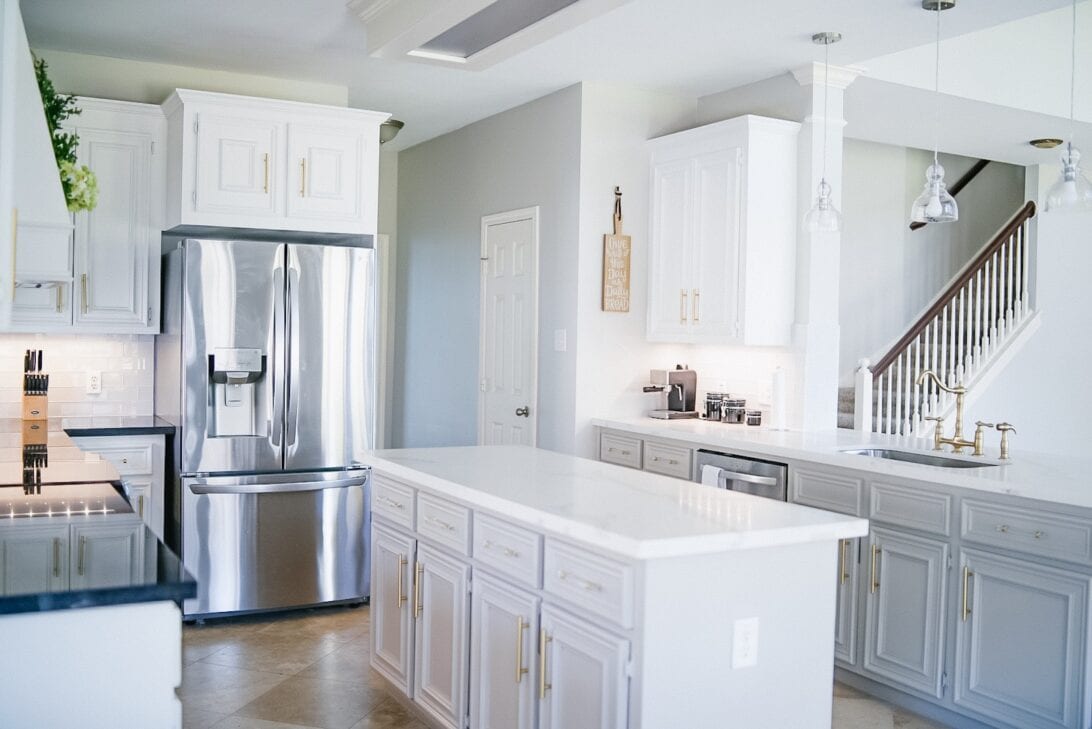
(862, 411)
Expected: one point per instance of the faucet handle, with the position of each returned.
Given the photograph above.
(982, 424)
(1005, 427)
(937, 418)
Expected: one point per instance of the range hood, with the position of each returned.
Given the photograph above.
(32, 203)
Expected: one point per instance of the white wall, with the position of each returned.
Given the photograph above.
(151, 83)
(889, 273)
(526, 156)
(1044, 390)
(125, 361)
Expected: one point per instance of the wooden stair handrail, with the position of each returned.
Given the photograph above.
(1022, 216)
(960, 184)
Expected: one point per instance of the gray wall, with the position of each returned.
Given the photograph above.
(526, 156)
(890, 273)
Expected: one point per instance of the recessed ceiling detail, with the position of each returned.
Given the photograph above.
(471, 34)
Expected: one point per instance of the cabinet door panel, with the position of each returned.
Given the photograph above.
(503, 670)
(48, 305)
(325, 164)
(585, 675)
(905, 623)
(105, 556)
(237, 166)
(112, 241)
(717, 286)
(669, 253)
(34, 559)
(1020, 648)
(392, 606)
(441, 634)
(845, 627)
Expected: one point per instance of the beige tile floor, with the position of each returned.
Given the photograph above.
(309, 670)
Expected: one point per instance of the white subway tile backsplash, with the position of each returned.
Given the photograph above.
(125, 362)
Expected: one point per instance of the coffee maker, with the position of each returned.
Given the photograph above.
(681, 386)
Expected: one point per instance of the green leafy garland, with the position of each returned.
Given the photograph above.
(80, 186)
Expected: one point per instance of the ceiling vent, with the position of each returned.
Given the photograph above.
(470, 34)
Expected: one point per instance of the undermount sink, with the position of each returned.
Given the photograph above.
(924, 459)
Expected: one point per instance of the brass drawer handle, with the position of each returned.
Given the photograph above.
(875, 556)
(401, 565)
(543, 641)
(83, 292)
(440, 523)
(507, 551)
(417, 579)
(265, 183)
(56, 557)
(79, 559)
(845, 573)
(697, 305)
(140, 506)
(586, 584)
(682, 306)
(967, 575)
(303, 177)
(520, 628)
(392, 502)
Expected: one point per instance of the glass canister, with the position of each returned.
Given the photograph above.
(754, 417)
(733, 411)
(713, 402)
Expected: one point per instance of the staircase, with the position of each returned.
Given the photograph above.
(969, 328)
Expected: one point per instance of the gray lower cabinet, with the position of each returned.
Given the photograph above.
(904, 625)
(1021, 638)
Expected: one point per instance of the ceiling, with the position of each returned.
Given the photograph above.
(691, 47)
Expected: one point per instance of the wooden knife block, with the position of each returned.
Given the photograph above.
(35, 407)
(35, 432)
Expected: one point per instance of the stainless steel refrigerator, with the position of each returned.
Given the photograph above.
(266, 368)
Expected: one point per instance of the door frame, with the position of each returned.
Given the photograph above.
(511, 216)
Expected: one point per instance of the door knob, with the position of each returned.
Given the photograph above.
(524, 411)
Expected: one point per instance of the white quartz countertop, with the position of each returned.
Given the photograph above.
(1046, 477)
(628, 512)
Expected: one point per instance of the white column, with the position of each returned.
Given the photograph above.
(816, 332)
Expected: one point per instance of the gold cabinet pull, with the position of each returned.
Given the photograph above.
(697, 305)
(417, 579)
(56, 557)
(682, 306)
(520, 628)
(140, 506)
(401, 566)
(303, 177)
(265, 183)
(875, 555)
(967, 575)
(543, 641)
(844, 577)
(79, 559)
(60, 299)
(83, 292)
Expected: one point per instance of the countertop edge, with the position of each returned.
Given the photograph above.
(72, 600)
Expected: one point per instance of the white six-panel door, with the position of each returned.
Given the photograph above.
(508, 374)
(503, 653)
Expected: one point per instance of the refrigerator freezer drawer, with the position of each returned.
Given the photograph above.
(272, 541)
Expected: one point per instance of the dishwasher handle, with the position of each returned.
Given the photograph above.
(201, 487)
(724, 476)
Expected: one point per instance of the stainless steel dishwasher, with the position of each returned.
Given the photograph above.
(747, 475)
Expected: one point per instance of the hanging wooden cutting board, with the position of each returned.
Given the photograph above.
(616, 259)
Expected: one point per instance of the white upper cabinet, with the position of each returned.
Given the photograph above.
(242, 162)
(104, 276)
(722, 246)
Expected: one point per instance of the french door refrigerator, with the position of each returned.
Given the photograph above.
(266, 368)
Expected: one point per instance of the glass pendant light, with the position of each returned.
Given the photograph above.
(823, 216)
(935, 204)
(1072, 191)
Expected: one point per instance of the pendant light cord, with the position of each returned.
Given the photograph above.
(826, 103)
(936, 95)
(1073, 78)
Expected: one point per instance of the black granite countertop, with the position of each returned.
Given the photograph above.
(120, 425)
(154, 572)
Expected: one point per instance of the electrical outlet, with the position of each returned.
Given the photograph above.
(94, 382)
(745, 643)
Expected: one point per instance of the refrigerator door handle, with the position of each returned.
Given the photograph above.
(276, 415)
(292, 414)
(201, 487)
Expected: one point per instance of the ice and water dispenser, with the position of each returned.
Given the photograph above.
(235, 382)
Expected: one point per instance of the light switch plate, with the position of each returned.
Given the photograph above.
(745, 643)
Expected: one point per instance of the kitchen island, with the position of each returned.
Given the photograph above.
(589, 595)
(89, 595)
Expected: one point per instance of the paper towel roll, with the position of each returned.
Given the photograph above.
(710, 476)
(777, 400)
